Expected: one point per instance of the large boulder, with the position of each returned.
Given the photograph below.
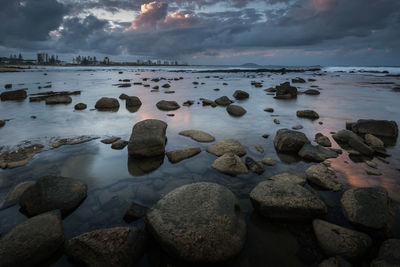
(389, 254)
(132, 101)
(323, 177)
(316, 153)
(147, 139)
(225, 146)
(235, 110)
(230, 163)
(117, 246)
(309, 114)
(13, 196)
(13, 95)
(198, 136)
(58, 99)
(288, 177)
(285, 91)
(179, 155)
(200, 222)
(167, 105)
(107, 103)
(223, 101)
(32, 242)
(344, 137)
(53, 193)
(376, 127)
(286, 200)
(288, 141)
(339, 241)
(239, 95)
(370, 209)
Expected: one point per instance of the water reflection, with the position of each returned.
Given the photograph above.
(142, 166)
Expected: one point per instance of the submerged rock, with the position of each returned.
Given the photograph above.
(135, 212)
(316, 153)
(148, 138)
(323, 177)
(107, 103)
(339, 241)
(117, 246)
(268, 161)
(13, 196)
(198, 136)
(226, 146)
(231, 164)
(310, 114)
(207, 227)
(285, 200)
(288, 177)
(179, 155)
(288, 141)
(167, 105)
(236, 110)
(32, 242)
(53, 193)
(254, 166)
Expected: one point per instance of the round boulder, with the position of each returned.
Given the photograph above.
(235, 110)
(107, 103)
(239, 95)
(223, 101)
(309, 114)
(167, 105)
(80, 106)
(287, 141)
(200, 222)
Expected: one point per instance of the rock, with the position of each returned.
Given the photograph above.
(371, 164)
(260, 149)
(269, 110)
(119, 144)
(53, 193)
(80, 106)
(135, 212)
(284, 200)
(285, 91)
(389, 254)
(179, 155)
(268, 161)
(361, 147)
(344, 137)
(309, 114)
(316, 153)
(323, 177)
(188, 103)
(223, 101)
(32, 242)
(13, 196)
(298, 80)
(322, 140)
(207, 227)
(13, 95)
(123, 96)
(226, 146)
(288, 141)
(373, 172)
(376, 127)
(239, 95)
(236, 110)
(2, 123)
(360, 203)
(167, 85)
(289, 178)
(336, 261)
(231, 164)
(265, 135)
(107, 103)
(254, 166)
(312, 92)
(110, 140)
(117, 246)
(374, 142)
(8, 86)
(132, 101)
(60, 99)
(147, 139)
(198, 136)
(208, 102)
(167, 105)
(339, 241)
(297, 127)
(276, 121)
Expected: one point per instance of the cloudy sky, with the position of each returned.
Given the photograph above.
(272, 32)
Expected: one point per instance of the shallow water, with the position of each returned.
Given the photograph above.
(114, 180)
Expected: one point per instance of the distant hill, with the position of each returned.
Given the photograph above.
(251, 65)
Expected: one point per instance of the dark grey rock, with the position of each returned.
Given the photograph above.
(376, 127)
(80, 106)
(107, 103)
(323, 177)
(59, 99)
(316, 153)
(119, 144)
(254, 166)
(182, 154)
(13, 95)
(389, 254)
(236, 110)
(285, 91)
(135, 212)
(309, 114)
(167, 105)
(239, 95)
(288, 141)
(223, 101)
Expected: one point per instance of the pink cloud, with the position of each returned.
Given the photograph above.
(149, 16)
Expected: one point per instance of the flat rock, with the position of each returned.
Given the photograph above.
(339, 241)
(167, 105)
(117, 246)
(359, 203)
(198, 136)
(316, 153)
(288, 141)
(53, 193)
(254, 166)
(376, 127)
(147, 139)
(309, 114)
(179, 155)
(32, 242)
(225, 146)
(207, 227)
(288, 177)
(239, 95)
(230, 163)
(107, 103)
(235, 110)
(110, 140)
(323, 177)
(59, 99)
(13, 95)
(312, 92)
(13, 196)
(284, 200)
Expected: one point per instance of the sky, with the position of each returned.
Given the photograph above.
(266, 32)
